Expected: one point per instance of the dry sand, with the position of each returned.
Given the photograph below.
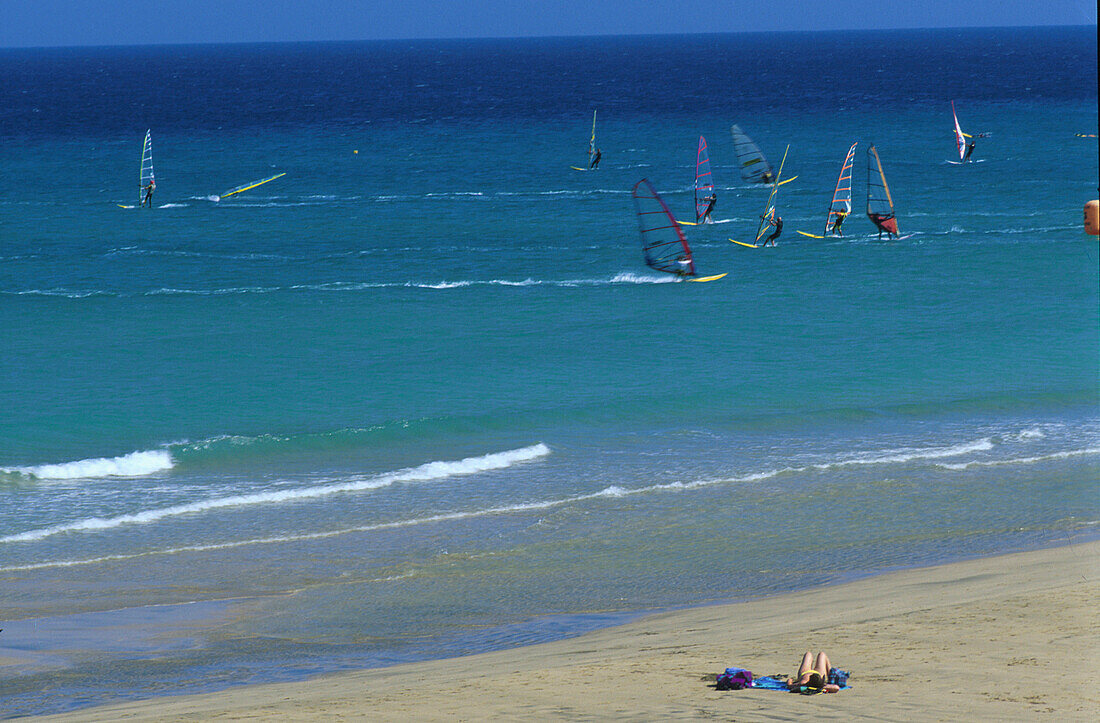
(1003, 638)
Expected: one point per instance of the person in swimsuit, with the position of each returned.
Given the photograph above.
(813, 675)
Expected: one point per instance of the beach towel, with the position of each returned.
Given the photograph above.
(734, 679)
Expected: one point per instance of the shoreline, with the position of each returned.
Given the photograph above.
(999, 637)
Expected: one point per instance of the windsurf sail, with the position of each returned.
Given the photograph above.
(960, 137)
(704, 181)
(592, 140)
(248, 186)
(146, 165)
(754, 167)
(767, 218)
(880, 205)
(842, 196)
(663, 241)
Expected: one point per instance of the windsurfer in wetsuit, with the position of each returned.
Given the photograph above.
(767, 177)
(776, 221)
(840, 216)
(711, 200)
(596, 160)
(969, 150)
(149, 193)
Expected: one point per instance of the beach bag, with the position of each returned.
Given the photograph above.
(838, 677)
(734, 679)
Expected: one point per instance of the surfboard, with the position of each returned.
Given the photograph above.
(749, 246)
(708, 278)
(811, 235)
(578, 169)
(123, 206)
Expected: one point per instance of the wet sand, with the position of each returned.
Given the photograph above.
(1015, 637)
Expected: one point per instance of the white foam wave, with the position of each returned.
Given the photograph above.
(135, 464)
(626, 277)
(909, 454)
(1020, 460)
(423, 473)
(174, 205)
(613, 491)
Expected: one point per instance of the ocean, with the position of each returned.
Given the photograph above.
(421, 396)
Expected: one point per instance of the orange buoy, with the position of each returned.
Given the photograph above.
(1092, 218)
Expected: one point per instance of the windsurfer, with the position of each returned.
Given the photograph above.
(711, 200)
(149, 193)
(840, 216)
(776, 221)
(767, 177)
(969, 150)
(884, 222)
(685, 266)
(596, 160)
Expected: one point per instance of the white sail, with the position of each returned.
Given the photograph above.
(146, 165)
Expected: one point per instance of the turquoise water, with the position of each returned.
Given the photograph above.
(426, 399)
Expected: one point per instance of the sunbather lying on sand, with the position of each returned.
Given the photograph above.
(813, 674)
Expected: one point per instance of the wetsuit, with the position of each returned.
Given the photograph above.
(969, 150)
(148, 195)
(778, 223)
(710, 207)
(596, 159)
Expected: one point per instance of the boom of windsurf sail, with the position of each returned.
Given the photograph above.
(768, 216)
(704, 181)
(248, 186)
(842, 196)
(146, 177)
(754, 167)
(880, 205)
(960, 137)
(663, 241)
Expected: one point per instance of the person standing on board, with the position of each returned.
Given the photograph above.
(596, 160)
(969, 150)
(149, 193)
(840, 216)
(776, 221)
(711, 200)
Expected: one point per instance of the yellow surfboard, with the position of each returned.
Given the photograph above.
(811, 235)
(749, 246)
(701, 279)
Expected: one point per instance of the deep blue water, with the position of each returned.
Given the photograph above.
(421, 396)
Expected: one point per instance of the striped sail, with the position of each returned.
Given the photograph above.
(663, 242)
(146, 165)
(960, 137)
(842, 196)
(880, 204)
(704, 181)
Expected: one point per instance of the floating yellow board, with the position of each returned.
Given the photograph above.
(707, 278)
(742, 243)
(811, 235)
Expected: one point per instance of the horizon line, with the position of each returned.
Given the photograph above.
(592, 36)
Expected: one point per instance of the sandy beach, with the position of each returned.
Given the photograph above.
(1004, 638)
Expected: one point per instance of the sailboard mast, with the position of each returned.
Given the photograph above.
(704, 181)
(663, 241)
(146, 165)
(769, 206)
(842, 196)
(754, 167)
(960, 141)
(249, 186)
(880, 204)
